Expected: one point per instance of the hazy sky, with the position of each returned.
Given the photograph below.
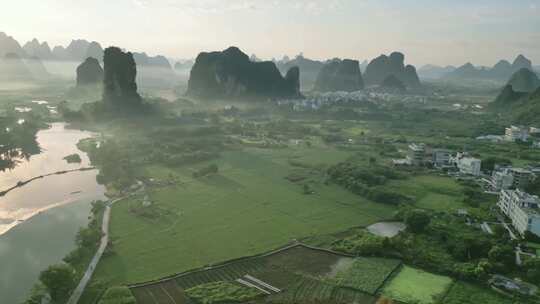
(427, 31)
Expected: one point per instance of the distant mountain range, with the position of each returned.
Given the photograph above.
(153, 71)
(502, 71)
(77, 50)
(431, 71)
(309, 69)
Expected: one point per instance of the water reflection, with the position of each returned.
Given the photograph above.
(39, 221)
(42, 194)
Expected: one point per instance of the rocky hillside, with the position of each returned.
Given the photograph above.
(89, 72)
(340, 75)
(521, 107)
(384, 66)
(524, 80)
(230, 74)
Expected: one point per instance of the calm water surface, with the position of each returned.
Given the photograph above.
(39, 221)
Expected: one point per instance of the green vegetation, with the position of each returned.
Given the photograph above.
(73, 158)
(362, 181)
(220, 292)
(314, 291)
(431, 192)
(465, 293)
(216, 181)
(366, 274)
(363, 243)
(117, 295)
(211, 169)
(416, 286)
(247, 216)
(417, 220)
(59, 280)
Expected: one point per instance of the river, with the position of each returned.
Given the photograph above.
(39, 221)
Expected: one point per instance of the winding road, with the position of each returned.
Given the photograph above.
(77, 293)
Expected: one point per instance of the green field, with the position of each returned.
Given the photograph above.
(438, 193)
(465, 293)
(416, 286)
(366, 274)
(248, 208)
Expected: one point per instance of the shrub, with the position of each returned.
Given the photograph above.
(117, 295)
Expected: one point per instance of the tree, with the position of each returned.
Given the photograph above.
(502, 255)
(534, 187)
(88, 237)
(532, 267)
(488, 164)
(59, 280)
(417, 220)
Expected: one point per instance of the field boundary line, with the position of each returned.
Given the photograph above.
(389, 277)
(233, 261)
(447, 291)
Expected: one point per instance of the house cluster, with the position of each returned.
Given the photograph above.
(508, 177)
(521, 208)
(422, 155)
(315, 101)
(515, 133)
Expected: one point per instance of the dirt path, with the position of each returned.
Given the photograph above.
(77, 293)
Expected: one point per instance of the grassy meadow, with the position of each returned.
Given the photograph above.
(439, 193)
(248, 208)
(412, 285)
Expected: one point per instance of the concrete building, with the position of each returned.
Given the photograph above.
(501, 180)
(416, 154)
(522, 178)
(515, 133)
(504, 178)
(522, 209)
(466, 164)
(441, 157)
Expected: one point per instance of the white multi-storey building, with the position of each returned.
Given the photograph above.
(522, 209)
(466, 164)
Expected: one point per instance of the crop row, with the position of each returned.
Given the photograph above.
(225, 273)
(162, 293)
(311, 290)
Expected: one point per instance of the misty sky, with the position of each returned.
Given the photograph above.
(427, 31)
